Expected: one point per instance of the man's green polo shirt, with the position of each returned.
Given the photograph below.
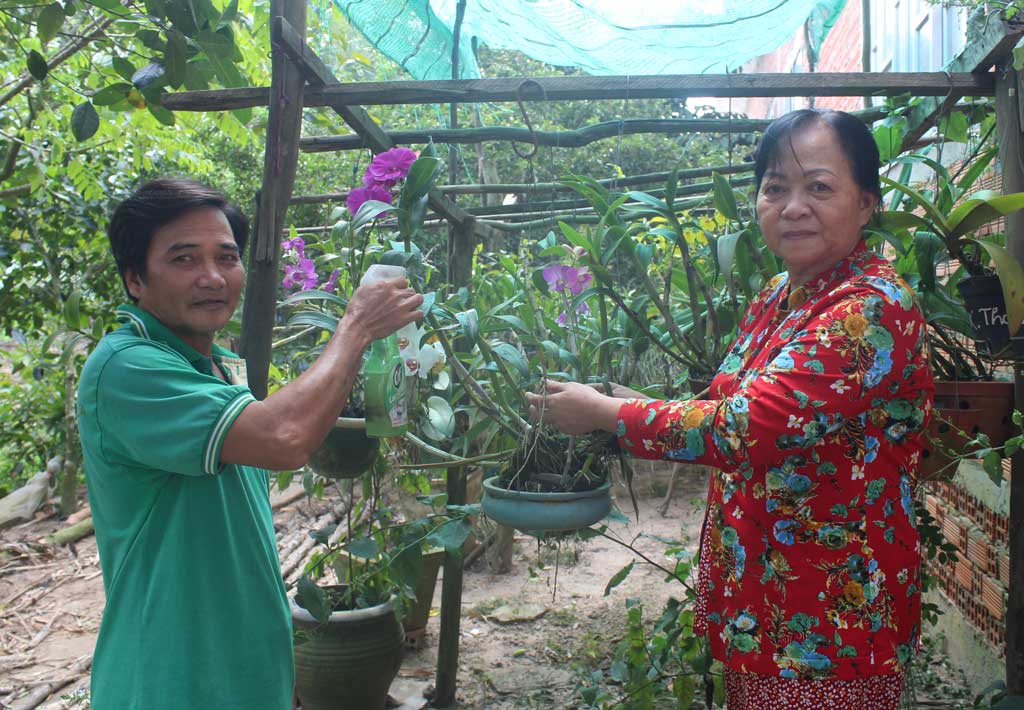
(196, 613)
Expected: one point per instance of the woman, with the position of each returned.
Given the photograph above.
(809, 581)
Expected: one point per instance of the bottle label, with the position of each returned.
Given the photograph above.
(396, 406)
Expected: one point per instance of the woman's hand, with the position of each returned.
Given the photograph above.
(573, 408)
(619, 391)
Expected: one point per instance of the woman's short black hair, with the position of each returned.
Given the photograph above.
(155, 204)
(855, 140)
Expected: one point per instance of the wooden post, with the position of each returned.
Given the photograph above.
(1008, 128)
(284, 124)
(445, 682)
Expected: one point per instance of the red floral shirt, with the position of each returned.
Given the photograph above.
(810, 556)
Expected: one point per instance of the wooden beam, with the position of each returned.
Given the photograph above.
(556, 139)
(280, 158)
(566, 88)
(996, 40)
(319, 75)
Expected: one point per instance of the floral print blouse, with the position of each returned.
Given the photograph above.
(810, 563)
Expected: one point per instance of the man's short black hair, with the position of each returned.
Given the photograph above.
(155, 204)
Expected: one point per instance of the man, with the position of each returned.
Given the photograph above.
(175, 450)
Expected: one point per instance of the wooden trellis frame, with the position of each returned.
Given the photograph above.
(300, 79)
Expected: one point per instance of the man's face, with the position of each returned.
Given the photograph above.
(194, 276)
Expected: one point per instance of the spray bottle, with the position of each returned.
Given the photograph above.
(384, 377)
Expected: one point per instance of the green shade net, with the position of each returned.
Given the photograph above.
(601, 37)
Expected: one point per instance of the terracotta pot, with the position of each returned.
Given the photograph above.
(968, 407)
(417, 614)
(546, 512)
(349, 662)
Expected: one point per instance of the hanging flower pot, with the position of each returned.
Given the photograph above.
(983, 299)
(347, 452)
(962, 411)
(349, 661)
(546, 512)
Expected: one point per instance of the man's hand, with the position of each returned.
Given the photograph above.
(378, 309)
(619, 391)
(573, 408)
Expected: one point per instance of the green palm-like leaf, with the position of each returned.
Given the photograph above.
(1011, 277)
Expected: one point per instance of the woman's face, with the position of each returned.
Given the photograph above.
(810, 208)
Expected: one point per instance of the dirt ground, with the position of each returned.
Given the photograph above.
(522, 640)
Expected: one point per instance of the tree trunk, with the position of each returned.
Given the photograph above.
(72, 448)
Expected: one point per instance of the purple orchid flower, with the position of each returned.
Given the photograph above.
(573, 279)
(331, 285)
(300, 276)
(358, 196)
(297, 244)
(391, 165)
(582, 308)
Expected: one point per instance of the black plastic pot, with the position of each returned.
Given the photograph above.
(346, 452)
(983, 299)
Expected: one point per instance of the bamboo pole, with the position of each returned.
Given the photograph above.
(577, 138)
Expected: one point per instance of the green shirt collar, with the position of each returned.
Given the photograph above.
(145, 325)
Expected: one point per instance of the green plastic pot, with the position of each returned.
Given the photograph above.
(546, 512)
(349, 662)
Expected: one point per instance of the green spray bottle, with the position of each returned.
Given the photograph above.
(384, 373)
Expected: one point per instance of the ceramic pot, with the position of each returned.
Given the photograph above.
(349, 662)
(545, 512)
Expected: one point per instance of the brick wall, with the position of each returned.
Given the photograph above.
(842, 52)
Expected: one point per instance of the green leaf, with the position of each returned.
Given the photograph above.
(123, 67)
(618, 578)
(161, 114)
(511, 355)
(954, 127)
(314, 295)
(71, 310)
(320, 320)
(219, 50)
(364, 548)
(230, 13)
(175, 58)
(49, 22)
(982, 208)
(37, 66)
(110, 95)
(938, 220)
(148, 75)
(323, 535)
(84, 121)
(993, 465)
(313, 599)
(889, 139)
(420, 179)
(470, 322)
(1011, 278)
(452, 535)
(724, 197)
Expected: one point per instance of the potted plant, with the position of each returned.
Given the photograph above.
(349, 637)
(933, 232)
(347, 452)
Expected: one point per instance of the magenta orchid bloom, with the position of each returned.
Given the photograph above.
(583, 308)
(573, 279)
(331, 285)
(298, 245)
(358, 196)
(300, 276)
(391, 165)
